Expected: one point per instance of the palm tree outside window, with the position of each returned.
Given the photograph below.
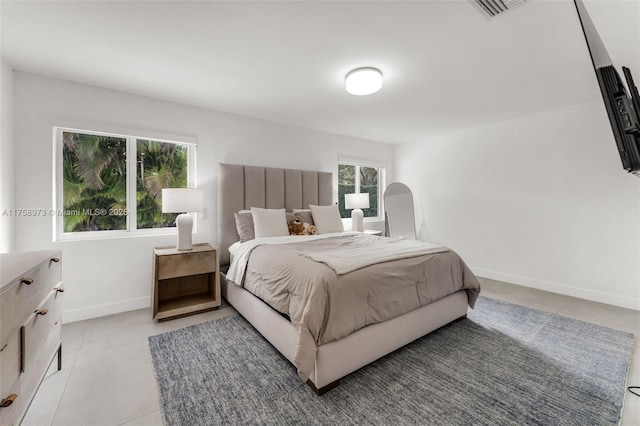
(113, 183)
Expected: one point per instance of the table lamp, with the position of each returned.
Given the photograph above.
(183, 200)
(356, 202)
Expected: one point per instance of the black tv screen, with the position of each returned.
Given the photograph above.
(623, 111)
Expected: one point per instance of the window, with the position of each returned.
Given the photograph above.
(110, 184)
(359, 178)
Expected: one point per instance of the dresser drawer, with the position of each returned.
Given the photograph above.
(10, 416)
(9, 363)
(45, 279)
(12, 309)
(28, 341)
(21, 296)
(10, 312)
(42, 335)
(183, 264)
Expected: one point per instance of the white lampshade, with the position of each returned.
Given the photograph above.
(181, 200)
(363, 81)
(356, 201)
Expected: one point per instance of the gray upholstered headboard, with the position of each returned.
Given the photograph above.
(242, 187)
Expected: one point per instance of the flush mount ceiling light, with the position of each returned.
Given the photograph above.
(364, 81)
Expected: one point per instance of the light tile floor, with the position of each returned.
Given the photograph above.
(107, 377)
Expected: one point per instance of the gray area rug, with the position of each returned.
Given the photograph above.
(505, 364)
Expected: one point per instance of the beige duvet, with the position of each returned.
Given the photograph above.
(325, 306)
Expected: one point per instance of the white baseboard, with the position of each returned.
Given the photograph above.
(567, 290)
(96, 311)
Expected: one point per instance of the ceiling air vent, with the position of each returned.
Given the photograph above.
(491, 8)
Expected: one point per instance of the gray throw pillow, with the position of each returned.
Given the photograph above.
(305, 215)
(244, 226)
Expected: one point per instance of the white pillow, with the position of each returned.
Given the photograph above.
(326, 218)
(269, 222)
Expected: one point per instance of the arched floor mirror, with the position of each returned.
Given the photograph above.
(399, 217)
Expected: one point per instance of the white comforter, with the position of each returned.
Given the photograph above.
(342, 260)
(345, 260)
(240, 252)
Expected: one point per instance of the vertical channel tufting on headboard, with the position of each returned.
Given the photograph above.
(309, 188)
(292, 189)
(325, 189)
(242, 187)
(254, 187)
(275, 191)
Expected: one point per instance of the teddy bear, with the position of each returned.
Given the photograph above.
(297, 227)
(310, 229)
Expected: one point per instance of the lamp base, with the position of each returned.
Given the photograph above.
(184, 223)
(357, 220)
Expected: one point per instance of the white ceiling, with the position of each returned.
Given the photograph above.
(445, 66)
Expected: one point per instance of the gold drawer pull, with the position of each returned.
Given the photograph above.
(41, 311)
(26, 281)
(55, 259)
(8, 400)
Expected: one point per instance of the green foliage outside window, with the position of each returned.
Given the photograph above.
(94, 186)
(94, 182)
(346, 185)
(368, 184)
(160, 165)
(372, 190)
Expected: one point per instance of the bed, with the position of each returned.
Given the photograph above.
(325, 349)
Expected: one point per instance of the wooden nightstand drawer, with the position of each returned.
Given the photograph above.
(180, 265)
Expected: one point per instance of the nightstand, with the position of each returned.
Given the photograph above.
(373, 232)
(185, 282)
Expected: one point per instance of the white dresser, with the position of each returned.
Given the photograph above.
(30, 327)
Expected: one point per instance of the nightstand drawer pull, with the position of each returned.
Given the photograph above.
(55, 259)
(8, 400)
(26, 281)
(5, 345)
(41, 311)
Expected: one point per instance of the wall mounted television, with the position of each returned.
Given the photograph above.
(623, 108)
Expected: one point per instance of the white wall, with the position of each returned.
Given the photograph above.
(109, 276)
(7, 199)
(540, 201)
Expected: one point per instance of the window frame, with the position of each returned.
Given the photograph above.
(381, 182)
(131, 173)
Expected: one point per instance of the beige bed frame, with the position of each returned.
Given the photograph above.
(241, 187)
